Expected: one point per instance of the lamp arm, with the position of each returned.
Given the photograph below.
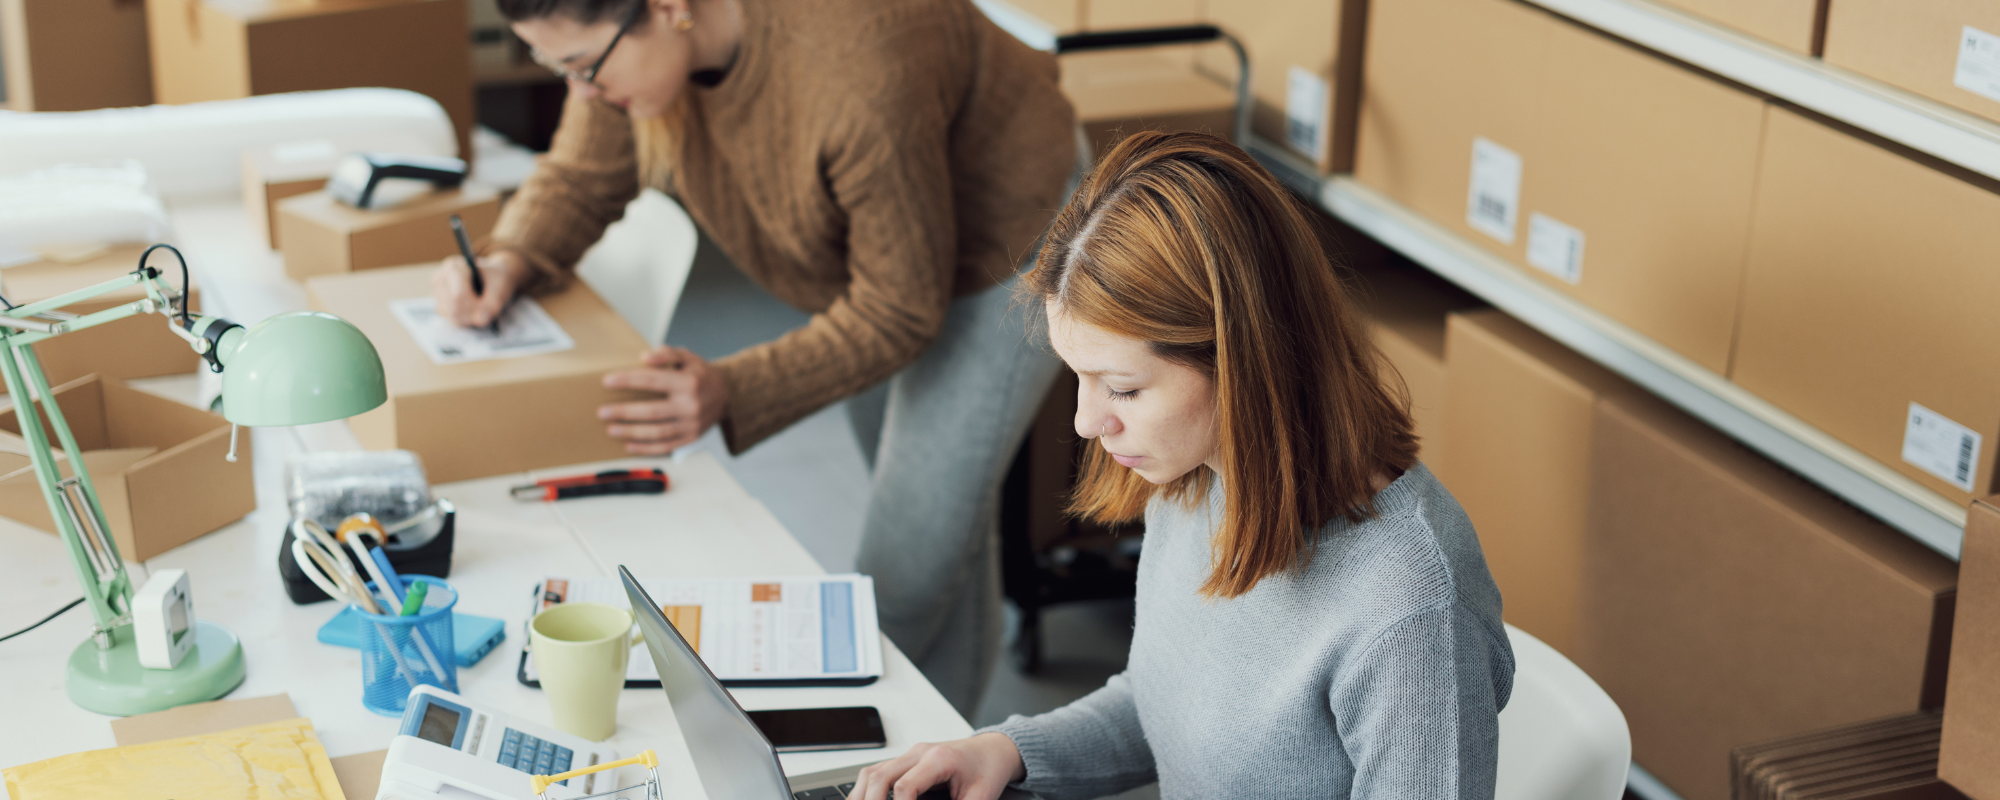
(74, 505)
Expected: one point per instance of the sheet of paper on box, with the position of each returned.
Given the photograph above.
(525, 330)
(782, 628)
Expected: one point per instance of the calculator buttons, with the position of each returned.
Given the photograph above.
(534, 755)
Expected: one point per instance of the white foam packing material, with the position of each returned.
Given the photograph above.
(194, 149)
(106, 202)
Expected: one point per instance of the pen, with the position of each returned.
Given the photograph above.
(415, 599)
(472, 263)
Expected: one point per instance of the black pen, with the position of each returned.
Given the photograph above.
(472, 263)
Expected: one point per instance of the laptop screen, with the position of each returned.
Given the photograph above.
(731, 756)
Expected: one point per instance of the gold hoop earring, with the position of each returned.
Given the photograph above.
(684, 23)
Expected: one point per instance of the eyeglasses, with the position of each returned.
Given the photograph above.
(590, 75)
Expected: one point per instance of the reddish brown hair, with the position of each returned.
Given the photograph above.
(1182, 241)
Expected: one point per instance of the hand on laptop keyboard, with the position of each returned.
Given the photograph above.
(840, 793)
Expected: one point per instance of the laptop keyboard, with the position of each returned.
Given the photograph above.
(840, 793)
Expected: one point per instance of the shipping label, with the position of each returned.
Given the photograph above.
(1555, 248)
(1305, 111)
(1941, 447)
(1493, 203)
(1978, 69)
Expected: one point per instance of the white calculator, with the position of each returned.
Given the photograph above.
(449, 749)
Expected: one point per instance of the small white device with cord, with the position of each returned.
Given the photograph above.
(163, 619)
(447, 748)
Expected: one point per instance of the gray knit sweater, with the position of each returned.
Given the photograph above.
(1377, 672)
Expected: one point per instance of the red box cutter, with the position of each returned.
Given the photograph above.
(617, 481)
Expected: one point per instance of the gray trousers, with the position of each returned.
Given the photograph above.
(949, 426)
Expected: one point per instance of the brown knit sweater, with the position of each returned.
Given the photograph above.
(863, 160)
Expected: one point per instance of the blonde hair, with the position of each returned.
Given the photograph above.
(657, 143)
(1182, 241)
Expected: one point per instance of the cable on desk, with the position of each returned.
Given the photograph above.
(59, 612)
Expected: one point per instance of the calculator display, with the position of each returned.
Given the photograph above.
(440, 724)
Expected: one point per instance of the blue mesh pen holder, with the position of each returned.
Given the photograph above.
(401, 653)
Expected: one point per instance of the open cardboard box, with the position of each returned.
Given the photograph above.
(159, 467)
(140, 346)
(484, 418)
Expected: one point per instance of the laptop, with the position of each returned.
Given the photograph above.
(731, 756)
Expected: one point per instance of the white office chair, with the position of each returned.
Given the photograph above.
(641, 264)
(1561, 737)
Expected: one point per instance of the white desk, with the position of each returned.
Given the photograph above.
(705, 525)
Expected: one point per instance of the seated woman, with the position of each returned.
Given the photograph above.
(1314, 615)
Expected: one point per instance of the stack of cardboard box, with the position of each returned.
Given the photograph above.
(223, 49)
(1604, 171)
(74, 55)
(1719, 600)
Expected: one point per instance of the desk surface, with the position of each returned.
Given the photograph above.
(705, 525)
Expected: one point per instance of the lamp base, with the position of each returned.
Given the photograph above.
(112, 682)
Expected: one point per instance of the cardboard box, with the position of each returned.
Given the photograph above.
(1969, 758)
(159, 467)
(274, 172)
(1796, 25)
(485, 418)
(141, 346)
(1306, 72)
(1440, 74)
(1111, 15)
(224, 49)
(1728, 602)
(1868, 301)
(1517, 420)
(1942, 49)
(321, 236)
(1059, 16)
(1604, 171)
(1406, 308)
(1117, 93)
(359, 774)
(75, 55)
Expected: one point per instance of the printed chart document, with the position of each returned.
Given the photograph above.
(525, 330)
(811, 630)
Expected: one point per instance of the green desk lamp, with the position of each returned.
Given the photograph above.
(291, 369)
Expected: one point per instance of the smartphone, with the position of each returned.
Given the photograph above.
(798, 730)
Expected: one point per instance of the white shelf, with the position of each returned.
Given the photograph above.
(1894, 114)
(1888, 495)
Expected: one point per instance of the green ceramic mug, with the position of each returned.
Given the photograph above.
(580, 654)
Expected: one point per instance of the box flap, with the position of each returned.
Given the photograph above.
(604, 341)
(82, 404)
(44, 279)
(200, 718)
(141, 419)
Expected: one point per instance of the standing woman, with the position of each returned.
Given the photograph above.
(882, 164)
(1314, 616)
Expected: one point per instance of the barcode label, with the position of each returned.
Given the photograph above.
(1555, 248)
(1978, 68)
(1305, 111)
(1492, 204)
(1941, 447)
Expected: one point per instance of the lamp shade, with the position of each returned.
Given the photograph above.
(297, 369)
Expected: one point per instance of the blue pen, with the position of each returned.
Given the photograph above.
(388, 574)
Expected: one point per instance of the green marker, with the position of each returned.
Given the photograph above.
(415, 599)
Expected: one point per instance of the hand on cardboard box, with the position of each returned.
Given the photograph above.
(504, 274)
(696, 397)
